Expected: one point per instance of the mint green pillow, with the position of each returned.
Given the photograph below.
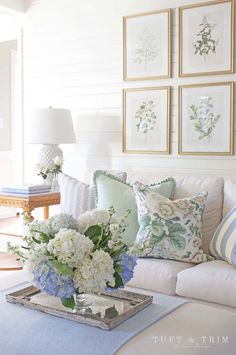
(109, 191)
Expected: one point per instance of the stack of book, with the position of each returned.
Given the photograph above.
(26, 189)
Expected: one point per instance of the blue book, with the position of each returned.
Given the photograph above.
(27, 189)
(18, 192)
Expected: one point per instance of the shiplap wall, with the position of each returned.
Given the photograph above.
(73, 59)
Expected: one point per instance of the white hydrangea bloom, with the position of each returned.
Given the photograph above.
(116, 239)
(60, 221)
(70, 247)
(92, 218)
(93, 275)
(34, 229)
(38, 253)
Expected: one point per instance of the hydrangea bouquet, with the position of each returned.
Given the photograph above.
(68, 256)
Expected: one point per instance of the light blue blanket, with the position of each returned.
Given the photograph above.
(28, 332)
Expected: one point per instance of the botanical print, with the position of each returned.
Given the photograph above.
(147, 48)
(146, 118)
(206, 38)
(205, 43)
(147, 39)
(204, 118)
(170, 229)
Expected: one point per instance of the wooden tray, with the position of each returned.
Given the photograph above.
(106, 311)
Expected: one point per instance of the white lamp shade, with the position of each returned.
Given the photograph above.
(50, 126)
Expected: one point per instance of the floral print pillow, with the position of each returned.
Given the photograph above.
(170, 229)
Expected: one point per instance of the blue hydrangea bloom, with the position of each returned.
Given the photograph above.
(49, 280)
(128, 263)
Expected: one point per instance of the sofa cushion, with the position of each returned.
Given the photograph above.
(111, 191)
(214, 281)
(192, 185)
(157, 275)
(223, 243)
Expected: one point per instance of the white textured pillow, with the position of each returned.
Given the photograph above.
(76, 196)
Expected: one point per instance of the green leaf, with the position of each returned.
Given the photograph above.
(118, 280)
(44, 238)
(118, 268)
(36, 240)
(175, 236)
(62, 268)
(120, 251)
(93, 232)
(178, 242)
(176, 229)
(157, 228)
(68, 302)
(154, 240)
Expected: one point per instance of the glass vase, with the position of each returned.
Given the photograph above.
(82, 301)
(55, 187)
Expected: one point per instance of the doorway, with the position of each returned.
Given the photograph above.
(11, 123)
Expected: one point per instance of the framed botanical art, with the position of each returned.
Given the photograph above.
(206, 38)
(206, 124)
(147, 46)
(146, 120)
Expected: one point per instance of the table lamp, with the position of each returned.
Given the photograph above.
(50, 127)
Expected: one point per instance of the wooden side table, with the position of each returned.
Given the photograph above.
(29, 203)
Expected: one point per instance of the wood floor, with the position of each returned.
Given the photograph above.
(10, 231)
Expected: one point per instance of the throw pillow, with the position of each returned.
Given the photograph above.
(223, 243)
(111, 191)
(76, 196)
(170, 229)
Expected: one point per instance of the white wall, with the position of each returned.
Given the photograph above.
(5, 94)
(18, 5)
(73, 59)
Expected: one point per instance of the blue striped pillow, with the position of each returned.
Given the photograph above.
(223, 243)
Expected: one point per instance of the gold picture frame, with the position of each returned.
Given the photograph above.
(146, 112)
(206, 120)
(205, 42)
(131, 69)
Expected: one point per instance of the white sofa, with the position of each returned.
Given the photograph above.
(213, 281)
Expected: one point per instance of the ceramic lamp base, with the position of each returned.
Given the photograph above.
(46, 155)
